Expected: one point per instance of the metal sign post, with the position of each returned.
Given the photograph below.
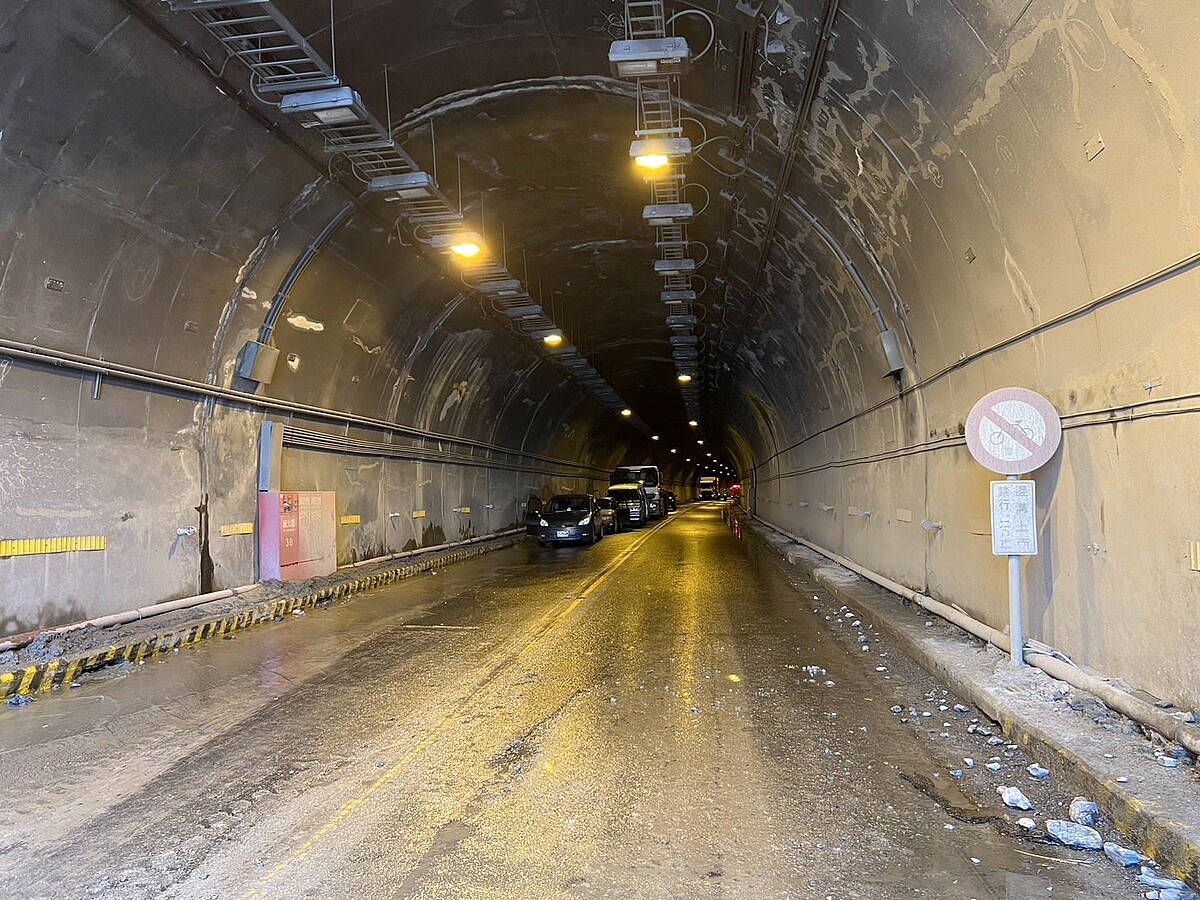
(1011, 432)
(1014, 534)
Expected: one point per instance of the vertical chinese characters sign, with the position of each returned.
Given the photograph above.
(1014, 518)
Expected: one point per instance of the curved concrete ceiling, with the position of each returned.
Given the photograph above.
(1007, 189)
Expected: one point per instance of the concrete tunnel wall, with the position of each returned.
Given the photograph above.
(994, 181)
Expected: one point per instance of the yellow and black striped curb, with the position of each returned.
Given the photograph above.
(44, 677)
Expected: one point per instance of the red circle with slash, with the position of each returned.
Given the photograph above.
(1013, 431)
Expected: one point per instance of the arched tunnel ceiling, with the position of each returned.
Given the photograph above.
(514, 101)
(924, 196)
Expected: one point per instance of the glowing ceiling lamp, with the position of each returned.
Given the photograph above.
(466, 244)
(693, 422)
(658, 153)
(627, 412)
(684, 378)
(553, 339)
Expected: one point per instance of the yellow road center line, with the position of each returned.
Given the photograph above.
(396, 769)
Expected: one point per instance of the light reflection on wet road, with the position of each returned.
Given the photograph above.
(627, 720)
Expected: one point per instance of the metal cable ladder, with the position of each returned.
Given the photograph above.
(658, 117)
(281, 61)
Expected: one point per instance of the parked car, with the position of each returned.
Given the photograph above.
(669, 501)
(608, 515)
(630, 504)
(570, 517)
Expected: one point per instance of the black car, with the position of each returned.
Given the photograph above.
(669, 501)
(570, 517)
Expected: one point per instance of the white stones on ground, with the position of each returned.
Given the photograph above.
(1014, 799)
(961, 708)
(1084, 812)
(995, 741)
(1168, 762)
(993, 766)
(1168, 888)
(1072, 835)
(897, 709)
(1123, 856)
(969, 762)
(1027, 823)
(1039, 772)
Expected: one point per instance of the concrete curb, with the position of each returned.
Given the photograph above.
(1153, 826)
(43, 678)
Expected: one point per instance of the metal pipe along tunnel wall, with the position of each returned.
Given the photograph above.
(1010, 188)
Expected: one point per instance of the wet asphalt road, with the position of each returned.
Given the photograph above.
(623, 721)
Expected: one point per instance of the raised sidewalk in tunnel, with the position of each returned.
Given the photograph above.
(1104, 756)
(54, 660)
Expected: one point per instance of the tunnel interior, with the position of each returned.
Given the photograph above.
(898, 207)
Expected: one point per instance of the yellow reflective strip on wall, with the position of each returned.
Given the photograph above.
(38, 546)
(237, 528)
(350, 520)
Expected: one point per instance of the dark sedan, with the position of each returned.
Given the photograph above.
(570, 517)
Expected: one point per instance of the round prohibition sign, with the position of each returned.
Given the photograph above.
(1013, 431)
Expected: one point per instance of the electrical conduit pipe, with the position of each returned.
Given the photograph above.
(1187, 736)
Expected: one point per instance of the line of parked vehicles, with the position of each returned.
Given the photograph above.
(635, 497)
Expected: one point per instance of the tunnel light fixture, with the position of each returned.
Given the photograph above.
(466, 244)
(693, 423)
(508, 287)
(409, 186)
(553, 339)
(658, 153)
(684, 378)
(668, 213)
(669, 268)
(627, 412)
(700, 443)
(677, 296)
(646, 57)
(654, 437)
(331, 106)
(673, 450)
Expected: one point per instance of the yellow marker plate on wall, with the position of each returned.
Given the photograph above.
(350, 520)
(38, 546)
(237, 528)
